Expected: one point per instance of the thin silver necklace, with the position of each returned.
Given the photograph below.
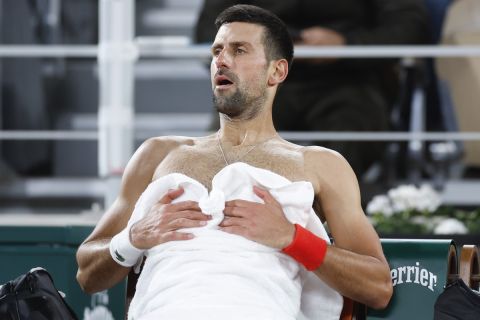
(243, 155)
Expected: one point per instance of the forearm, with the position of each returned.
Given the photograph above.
(361, 278)
(97, 270)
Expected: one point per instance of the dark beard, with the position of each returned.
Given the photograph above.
(239, 106)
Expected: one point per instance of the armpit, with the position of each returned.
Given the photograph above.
(317, 207)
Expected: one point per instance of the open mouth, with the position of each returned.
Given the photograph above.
(222, 82)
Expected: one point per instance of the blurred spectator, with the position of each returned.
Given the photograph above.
(32, 93)
(462, 74)
(338, 94)
(23, 96)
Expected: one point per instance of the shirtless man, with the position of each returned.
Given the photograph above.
(250, 59)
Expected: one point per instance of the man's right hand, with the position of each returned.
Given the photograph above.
(163, 220)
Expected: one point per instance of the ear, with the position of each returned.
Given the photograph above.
(279, 72)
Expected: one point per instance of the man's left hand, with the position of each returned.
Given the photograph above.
(264, 223)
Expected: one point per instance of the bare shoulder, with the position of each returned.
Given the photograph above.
(152, 151)
(320, 156)
(161, 146)
(328, 167)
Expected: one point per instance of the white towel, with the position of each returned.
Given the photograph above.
(218, 275)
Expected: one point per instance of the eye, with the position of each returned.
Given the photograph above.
(216, 52)
(240, 51)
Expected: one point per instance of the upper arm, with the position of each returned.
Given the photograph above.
(338, 196)
(136, 177)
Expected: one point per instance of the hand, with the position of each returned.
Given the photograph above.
(318, 36)
(164, 219)
(264, 223)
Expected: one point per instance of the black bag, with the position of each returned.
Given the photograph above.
(33, 296)
(457, 302)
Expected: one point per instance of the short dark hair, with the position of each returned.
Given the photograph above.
(276, 38)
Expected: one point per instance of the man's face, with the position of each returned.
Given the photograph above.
(239, 70)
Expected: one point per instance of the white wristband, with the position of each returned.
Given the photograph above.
(122, 250)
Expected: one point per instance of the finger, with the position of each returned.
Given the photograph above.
(184, 205)
(236, 212)
(239, 203)
(171, 195)
(181, 223)
(177, 236)
(240, 231)
(265, 195)
(189, 214)
(233, 221)
(196, 215)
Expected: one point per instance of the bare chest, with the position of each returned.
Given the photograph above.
(202, 164)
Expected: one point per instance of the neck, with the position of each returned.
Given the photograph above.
(246, 132)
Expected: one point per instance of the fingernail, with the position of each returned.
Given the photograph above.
(203, 223)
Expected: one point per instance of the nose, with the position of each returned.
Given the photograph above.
(223, 59)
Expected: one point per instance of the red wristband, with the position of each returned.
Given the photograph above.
(307, 248)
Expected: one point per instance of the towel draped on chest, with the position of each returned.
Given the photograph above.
(218, 275)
